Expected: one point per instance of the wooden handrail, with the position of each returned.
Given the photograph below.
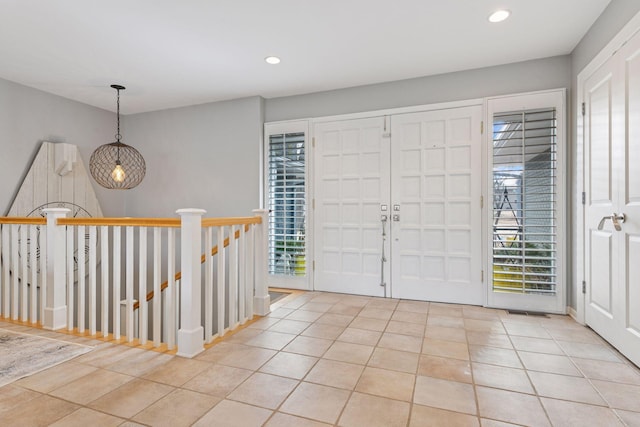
(220, 222)
(126, 222)
(23, 220)
(156, 222)
(203, 257)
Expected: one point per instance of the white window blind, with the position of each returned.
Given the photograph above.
(286, 201)
(525, 202)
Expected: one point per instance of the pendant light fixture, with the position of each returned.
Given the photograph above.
(117, 165)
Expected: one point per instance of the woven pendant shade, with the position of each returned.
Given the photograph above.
(117, 165)
(104, 160)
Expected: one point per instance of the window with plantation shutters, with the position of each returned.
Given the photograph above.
(286, 200)
(525, 210)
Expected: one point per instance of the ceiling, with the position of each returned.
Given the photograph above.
(174, 53)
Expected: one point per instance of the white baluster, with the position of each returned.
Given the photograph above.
(24, 273)
(157, 298)
(117, 260)
(142, 287)
(104, 268)
(262, 301)
(34, 230)
(208, 285)
(43, 271)
(233, 278)
(3, 256)
(220, 284)
(171, 289)
(70, 277)
(82, 246)
(93, 309)
(242, 265)
(4, 270)
(190, 334)
(55, 312)
(250, 270)
(15, 266)
(129, 285)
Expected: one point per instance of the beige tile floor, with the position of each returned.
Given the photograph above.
(325, 359)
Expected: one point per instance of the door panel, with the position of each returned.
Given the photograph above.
(601, 271)
(633, 285)
(612, 174)
(601, 190)
(436, 241)
(351, 183)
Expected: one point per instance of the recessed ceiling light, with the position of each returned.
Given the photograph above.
(499, 15)
(273, 60)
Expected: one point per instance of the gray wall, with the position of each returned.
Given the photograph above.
(30, 116)
(608, 24)
(547, 73)
(203, 156)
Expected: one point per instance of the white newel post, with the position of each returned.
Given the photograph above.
(191, 332)
(262, 300)
(55, 310)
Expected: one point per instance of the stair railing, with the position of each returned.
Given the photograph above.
(136, 258)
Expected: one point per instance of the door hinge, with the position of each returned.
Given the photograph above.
(584, 109)
(313, 203)
(481, 202)
(482, 276)
(481, 127)
(584, 287)
(313, 142)
(313, 265)
(584, 198)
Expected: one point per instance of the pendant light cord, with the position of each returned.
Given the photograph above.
(118, 136)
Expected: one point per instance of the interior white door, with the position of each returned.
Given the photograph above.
(436, 206)
(351, 183)
(612, 186)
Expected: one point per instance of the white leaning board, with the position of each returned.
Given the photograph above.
(57, 178)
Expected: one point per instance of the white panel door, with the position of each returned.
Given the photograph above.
(612, 185)
(436, 206)
(351, 181)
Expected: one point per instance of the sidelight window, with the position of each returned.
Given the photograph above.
(525, 199)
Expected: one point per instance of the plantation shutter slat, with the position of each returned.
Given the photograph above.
(286, 186)
(524, 202)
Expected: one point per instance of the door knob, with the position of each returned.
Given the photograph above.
(617, 219)
(396, 217)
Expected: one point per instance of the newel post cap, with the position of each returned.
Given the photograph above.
(191, 211)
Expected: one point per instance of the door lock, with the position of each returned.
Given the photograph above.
(617, 219)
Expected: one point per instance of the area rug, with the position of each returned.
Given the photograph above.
(22, 355)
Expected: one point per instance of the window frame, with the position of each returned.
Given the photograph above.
(517, 103)
(302, 282)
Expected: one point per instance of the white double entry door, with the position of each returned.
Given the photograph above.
(398, 206)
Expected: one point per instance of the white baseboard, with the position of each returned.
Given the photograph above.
(573, 313)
